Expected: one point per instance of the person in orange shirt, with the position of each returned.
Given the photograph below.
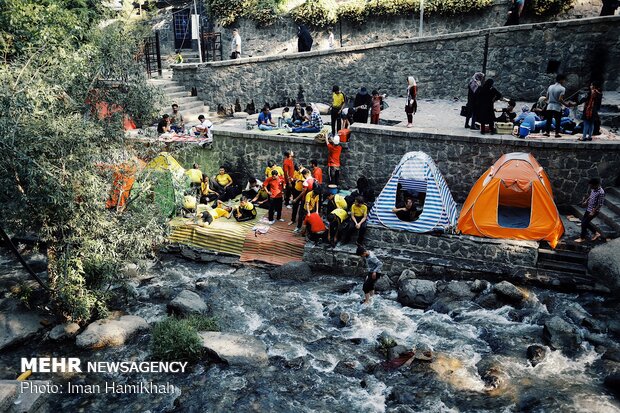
(317, 173)
(333, 159)
(307, 186)
(288, 166)
(275, 186)
(314, 228)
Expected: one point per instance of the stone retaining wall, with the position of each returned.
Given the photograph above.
(517, 59)
(429, 254)
(374, 151)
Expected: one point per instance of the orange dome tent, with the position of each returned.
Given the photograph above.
(512, 199)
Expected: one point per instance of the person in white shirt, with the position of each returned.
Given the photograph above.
(235, 45)
(204, 128)
(330, 38)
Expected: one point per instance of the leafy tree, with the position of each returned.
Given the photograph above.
(59, 158)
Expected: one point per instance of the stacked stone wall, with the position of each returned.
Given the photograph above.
(517, 59)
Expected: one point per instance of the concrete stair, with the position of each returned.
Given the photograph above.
(174, 92)
(563, 260)
(608, 220)
(12, 400)
(190, 56)
(610, 110)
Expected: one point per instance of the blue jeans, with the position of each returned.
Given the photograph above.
(266, 127)
(588, 129)
(306, 129)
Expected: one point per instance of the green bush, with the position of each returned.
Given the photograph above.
(315, 13)
(178, 339)
(353, 11)
(549, 7)
(226, 12)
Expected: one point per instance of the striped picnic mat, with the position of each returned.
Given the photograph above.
(278, 246)
(223, 235)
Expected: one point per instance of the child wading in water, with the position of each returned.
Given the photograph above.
(373, 265)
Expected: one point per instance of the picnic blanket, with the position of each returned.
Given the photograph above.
(223, 235)
(278, 246)
(173, 137)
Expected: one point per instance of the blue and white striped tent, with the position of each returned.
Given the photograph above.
(417, 172)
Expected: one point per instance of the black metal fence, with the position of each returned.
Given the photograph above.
(152, 55)
(211, 44)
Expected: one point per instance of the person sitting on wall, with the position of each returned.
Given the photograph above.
(527, 119)
(261, 200)
(540, 107)
(335, 201)
(314, 125)
(407, 212)
(314, 228)
(298, 116)
(286, 116)
(359, 218)
(195, 176)
(245, 211)
(203, 129)
(264, 121)
(164, 124)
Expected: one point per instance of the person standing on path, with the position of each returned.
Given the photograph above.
(475, 82)
(412, 100)
(609, 7)
(361, 106)
(288, 167)
(304, 39)
(555, 100)
(339, 101)
(593, 101)
(330, 38)
(373, 268)
(375, 111)
(593, 203)
(486, 96)
(275, 186)
(235, 45)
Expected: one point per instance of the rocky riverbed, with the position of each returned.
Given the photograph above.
(463, 346)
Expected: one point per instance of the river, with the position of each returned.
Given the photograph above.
(318, 364)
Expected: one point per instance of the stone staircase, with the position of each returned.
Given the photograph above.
(608, 220)
(190, 56)
(174, 92)
(610, 110)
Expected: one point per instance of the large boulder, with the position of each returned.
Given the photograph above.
(296, 270)
(509, 292)
(604, 264)
(458, 291)
(186, 303)
(64, 331)
(235, 349)
(17, 324)
(536, 354)
(416, 293)
(561, 335)
(107, 333)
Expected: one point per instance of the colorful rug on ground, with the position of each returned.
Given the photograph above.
(223, 235)
(278, 245)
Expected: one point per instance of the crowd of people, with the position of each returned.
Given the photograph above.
(550, 111)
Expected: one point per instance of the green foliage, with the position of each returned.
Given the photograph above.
(58, 160)
(227, 12)
(549, 7)
(44, 24)
(316, 13)
(177, 339)
(355, 12)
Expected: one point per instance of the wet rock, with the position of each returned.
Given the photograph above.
(596, 326)
(458, 290)
(612, 354)
(107, 333)
(612, 382)
(406, 275)
(186, 303)
(64, 331)
(349, 368)
(295, 364)
(235, 349)
(416, 293)
(561, 335)
(576, 313)
(397, 351)
(479, 286)
(202, 284)
(384, 284)
(386, 340)
(489, 301)
(604, 264)
(509, 292)
(535, 354)
(344, 318)
(298, 271)
(17, 324)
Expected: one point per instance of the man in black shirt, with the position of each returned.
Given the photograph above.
(164, 124)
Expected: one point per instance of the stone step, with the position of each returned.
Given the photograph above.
(614, 190)
(562, 256)
(612, 201)
(564, 267)
(179, 94)
(610, 217)
(191, 60)
(184, 100)
(598, 223)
